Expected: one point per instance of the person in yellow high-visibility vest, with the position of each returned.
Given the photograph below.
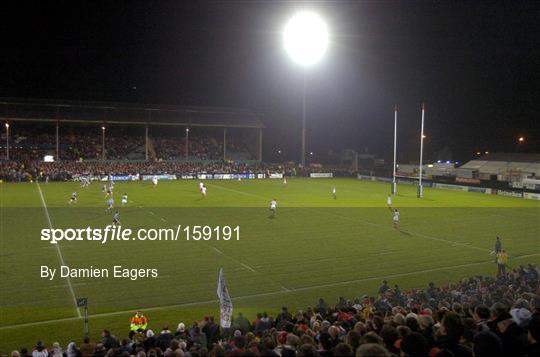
(138, 322)
(502, 261)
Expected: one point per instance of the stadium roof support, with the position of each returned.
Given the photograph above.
(62, 111)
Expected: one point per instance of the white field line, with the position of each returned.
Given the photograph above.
(234, 260)
(236, 191)
(271, 293)
(60, 257)
(388, 227)
(63, 286)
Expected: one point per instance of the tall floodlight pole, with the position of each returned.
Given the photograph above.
(420, 188)
(7, 141)
(394, 186)
(103, 142)
(305, 40)
(187, 144)
(303, 151)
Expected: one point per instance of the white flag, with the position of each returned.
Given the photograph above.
(225, 303)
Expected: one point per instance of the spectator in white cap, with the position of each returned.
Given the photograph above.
(521, 317)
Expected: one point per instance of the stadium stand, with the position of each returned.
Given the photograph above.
(490, 317)
(505, 166)
(70, 130)
(16, 171)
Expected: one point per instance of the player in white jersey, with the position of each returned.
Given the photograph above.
(395, 218)
(104, 189)
(389, 200)
(334, 192)
(155, 181)
(203, 191)
(200, 186)
(273, 205)
(124, 199)
(110, 204)
(73, 198)
(284, 181)
(116, 219)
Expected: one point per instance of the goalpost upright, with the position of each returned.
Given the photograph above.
(420, 188)
(394, 186)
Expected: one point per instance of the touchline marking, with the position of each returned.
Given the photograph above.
(234, 260)
(60, 257)
(451, 242)
(248, 267)
(271, 293)
(237, 191)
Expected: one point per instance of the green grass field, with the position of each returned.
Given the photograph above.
(315, 247)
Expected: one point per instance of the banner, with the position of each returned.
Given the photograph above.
(477, 189)
(508, 193)
(231, 176)
(160, 177)
(472, 181)
(120, 178)
(321, 175)
(225, 303)
(531, 196)
(275, 176)
(450, 187)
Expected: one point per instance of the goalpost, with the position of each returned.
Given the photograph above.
(393, 188)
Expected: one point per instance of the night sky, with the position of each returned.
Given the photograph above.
(476, 65)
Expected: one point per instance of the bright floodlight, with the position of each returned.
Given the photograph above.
(305, 38)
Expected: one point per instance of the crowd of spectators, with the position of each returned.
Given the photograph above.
(66, 170)
(28, 146)
(16, 171)
(478, 316)
(200, 148)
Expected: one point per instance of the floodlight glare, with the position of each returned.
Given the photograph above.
(305, 38)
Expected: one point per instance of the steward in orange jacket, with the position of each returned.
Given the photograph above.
(138, 322)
